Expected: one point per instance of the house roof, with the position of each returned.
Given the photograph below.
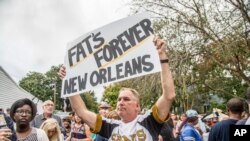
(10, 92)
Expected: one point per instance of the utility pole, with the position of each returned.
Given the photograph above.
(55, 94)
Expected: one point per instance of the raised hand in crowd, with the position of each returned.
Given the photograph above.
(132, 125)
(5, 134)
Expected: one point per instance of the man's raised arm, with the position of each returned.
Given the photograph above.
(165, 101)
(79, 106)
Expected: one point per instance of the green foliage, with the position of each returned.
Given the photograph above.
(209, 51)
(209, 47)
(219, 106)
(111, 94)
(48, 87)
(149, 88)
(90, 101)
(54, 85)
(35, 83)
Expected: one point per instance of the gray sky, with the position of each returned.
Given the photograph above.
(34, 33)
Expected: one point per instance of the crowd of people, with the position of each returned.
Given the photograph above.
(125, 123)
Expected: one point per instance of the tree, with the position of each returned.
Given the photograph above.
(149, 92)
(90, 101)
(208, 43)
(149, 88)
(111, 94)
(48, 87)
(54, 85)
(35, 83)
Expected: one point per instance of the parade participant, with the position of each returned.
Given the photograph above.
(132, 126)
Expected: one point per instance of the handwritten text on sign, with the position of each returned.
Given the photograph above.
(118, 51)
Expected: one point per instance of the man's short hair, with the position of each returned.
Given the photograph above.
(235, 105)
(20, 103)
(134, 92)
(104, 104)
(47, 101)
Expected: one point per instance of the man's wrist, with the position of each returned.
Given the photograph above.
(164, 61)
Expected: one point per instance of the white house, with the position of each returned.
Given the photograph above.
(10, 92)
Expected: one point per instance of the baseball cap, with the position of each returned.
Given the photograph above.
(191, 113)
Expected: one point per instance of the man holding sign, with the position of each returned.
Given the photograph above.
(132, 126)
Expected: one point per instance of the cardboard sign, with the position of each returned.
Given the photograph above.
(118, 51)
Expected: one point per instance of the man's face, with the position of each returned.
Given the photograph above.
(48, 108)
(127, 105)
(103, 110)
(23, 115)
